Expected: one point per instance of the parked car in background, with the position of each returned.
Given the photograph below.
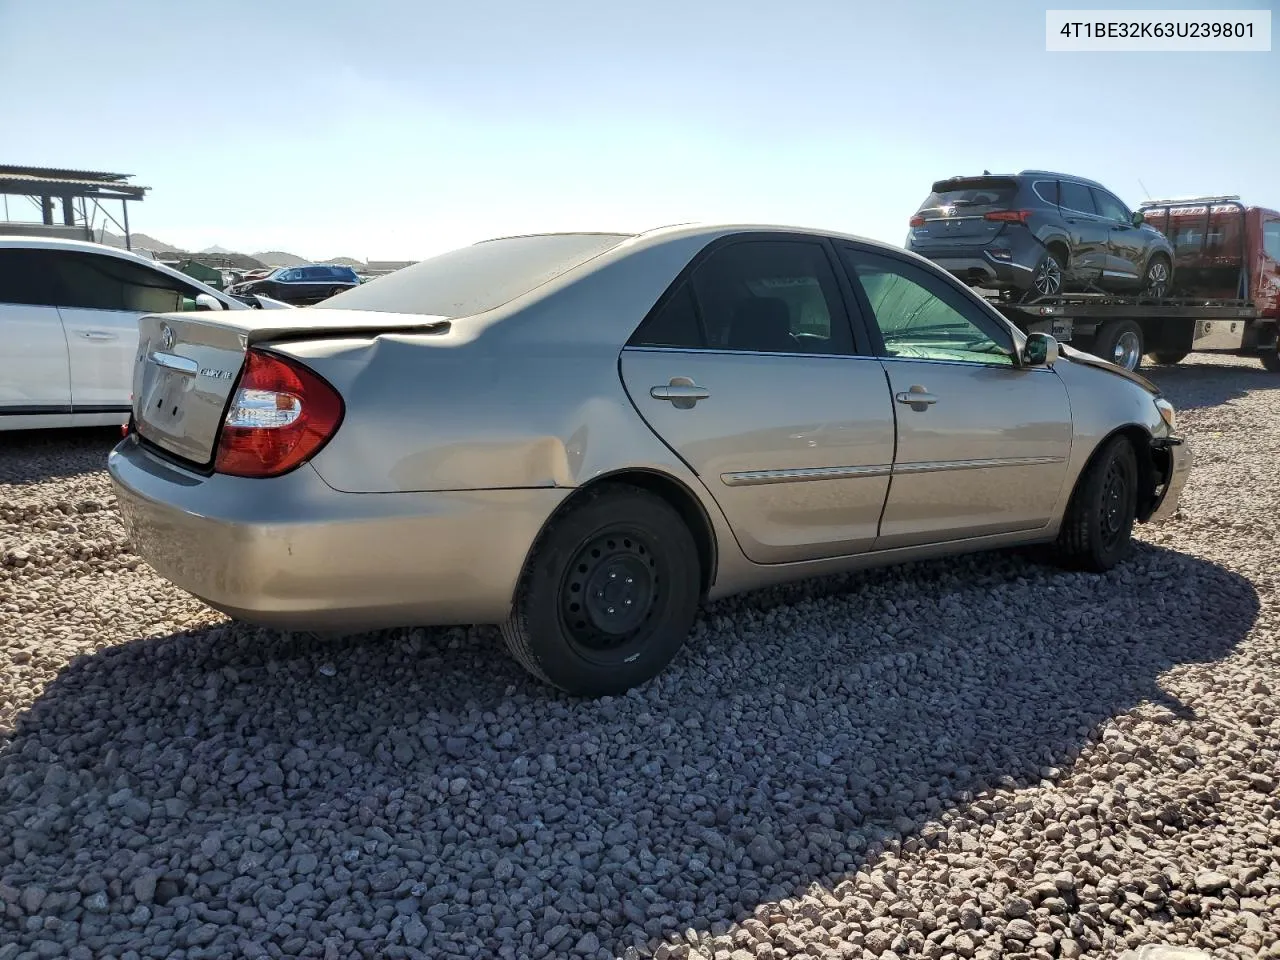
(302, 285)
(579, 436)
(69, 327)
(1038, 234)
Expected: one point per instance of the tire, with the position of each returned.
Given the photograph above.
(593, 647)
(337, 290)
(1120, 342)
(1169, 357)
(1271, 360)
(1157, 286)
(1097, 531)
(1043, 283)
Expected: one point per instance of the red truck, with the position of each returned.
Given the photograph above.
(1225, 292)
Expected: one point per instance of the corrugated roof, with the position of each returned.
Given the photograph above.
(59, 173)
(56, 186)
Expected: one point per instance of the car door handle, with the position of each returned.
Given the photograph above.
(681, 391)
(917, 397)
(97, 335)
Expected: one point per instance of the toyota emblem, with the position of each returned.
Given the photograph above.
(166, 336)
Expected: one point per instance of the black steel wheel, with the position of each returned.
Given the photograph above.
(609, 593)
(610, 590)
(1097, 530)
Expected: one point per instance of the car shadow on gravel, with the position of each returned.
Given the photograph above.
(33, 456)
(1191, 385)
(415, 794)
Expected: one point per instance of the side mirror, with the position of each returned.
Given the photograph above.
(207, 301)
(1138, 218)
(1041, 350)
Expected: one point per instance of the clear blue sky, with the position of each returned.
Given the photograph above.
(399, 128)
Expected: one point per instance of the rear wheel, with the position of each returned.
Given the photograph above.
(1120, 341)
(1097, 531)
(336, 290)
(1046, 279)
(1169, 357)
(608, 595)
(1271, 359)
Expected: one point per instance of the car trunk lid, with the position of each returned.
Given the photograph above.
(188, 364)
(955, 212)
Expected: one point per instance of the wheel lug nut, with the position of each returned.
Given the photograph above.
(610, 610)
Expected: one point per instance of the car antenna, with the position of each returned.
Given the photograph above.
(1144, 188)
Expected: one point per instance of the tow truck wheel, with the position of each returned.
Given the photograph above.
(1169, 357)
(1120, 342)
(1271, 360)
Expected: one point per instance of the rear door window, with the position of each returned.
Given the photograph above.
(755, 296)
(1078, 197)
(27, 277)
(91, 282)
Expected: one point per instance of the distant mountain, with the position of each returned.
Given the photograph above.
(139, 241)
(278, 258)
(269, 258)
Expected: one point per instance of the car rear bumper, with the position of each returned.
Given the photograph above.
(292, 552)
(1180, 458)
(980, 266)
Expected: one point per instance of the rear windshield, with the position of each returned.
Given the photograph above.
(474, 279)
(972, 192)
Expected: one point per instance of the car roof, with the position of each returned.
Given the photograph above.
(708, 231)
(20, 242)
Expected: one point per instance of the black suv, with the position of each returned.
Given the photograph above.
(301, 285)
(1038, 234)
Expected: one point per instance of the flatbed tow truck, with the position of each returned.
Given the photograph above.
(1226, 277)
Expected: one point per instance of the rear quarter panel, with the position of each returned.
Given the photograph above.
(525, 396)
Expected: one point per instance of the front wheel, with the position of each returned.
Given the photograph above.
(1159, 275)
(1120, 341)
(1097, 531)
(608, 595)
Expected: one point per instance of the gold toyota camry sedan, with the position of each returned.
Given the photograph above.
(579, 436)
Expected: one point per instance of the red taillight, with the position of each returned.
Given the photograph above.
(1008, 216)
(917, 221)
(281, 415)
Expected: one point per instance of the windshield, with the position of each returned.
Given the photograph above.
(477, 278)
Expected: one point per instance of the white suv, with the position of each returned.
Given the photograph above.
(69, 315)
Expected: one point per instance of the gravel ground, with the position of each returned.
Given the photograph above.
(977, 758)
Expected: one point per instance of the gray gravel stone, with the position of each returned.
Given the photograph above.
(975, 758)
